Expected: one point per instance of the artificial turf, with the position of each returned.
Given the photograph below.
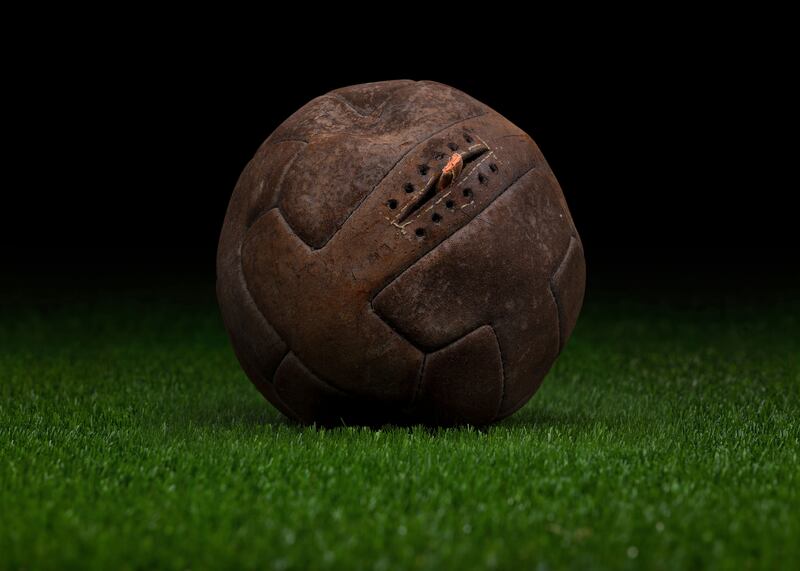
(666, 436)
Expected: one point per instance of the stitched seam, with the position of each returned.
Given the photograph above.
(559, 310)
(311, 372)
(553, 292)
(278, 193)
(503, 371)
(246, 288)
(395, 331)
(551, 288)
(288, 140)
(264, 318)
(437, 246)
(275, 389)
(418, 388)
(280, 212)
(344, 101)
(388, 172)
(499, 351)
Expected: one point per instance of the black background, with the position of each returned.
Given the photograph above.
(125, 156)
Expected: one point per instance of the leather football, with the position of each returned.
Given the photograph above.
(398, 252)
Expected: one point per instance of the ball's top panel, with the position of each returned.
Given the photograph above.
(352, 137)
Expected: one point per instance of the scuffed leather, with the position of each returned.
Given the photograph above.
(343, 308)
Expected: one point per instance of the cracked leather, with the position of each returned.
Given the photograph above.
(353, 292)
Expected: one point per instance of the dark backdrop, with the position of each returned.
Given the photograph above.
(126, 158)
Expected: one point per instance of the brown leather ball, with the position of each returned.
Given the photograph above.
(398, 252)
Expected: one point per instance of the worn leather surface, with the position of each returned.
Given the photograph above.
(356, 290)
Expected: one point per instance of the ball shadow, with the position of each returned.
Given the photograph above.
(235, 413)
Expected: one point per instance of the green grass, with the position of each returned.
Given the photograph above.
(667, 436)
